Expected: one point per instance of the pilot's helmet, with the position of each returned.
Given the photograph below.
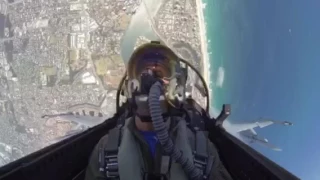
(154, 57)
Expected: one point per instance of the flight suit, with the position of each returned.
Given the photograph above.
(136, 155)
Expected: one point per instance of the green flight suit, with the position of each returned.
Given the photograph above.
(134, 155)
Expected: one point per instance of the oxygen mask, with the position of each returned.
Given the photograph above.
(154, 62)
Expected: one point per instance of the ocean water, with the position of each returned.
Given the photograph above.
(229, 43)
(215, 38)
(264, 61)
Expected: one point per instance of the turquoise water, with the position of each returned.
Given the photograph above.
(228, 37)
(215, 49)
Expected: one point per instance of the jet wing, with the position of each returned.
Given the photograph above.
(253, 132)
(248, 133)
(251, 135)
(88, 121)
(67, 135)
(268, 145)
(247, 126)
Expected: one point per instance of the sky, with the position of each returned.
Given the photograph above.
(268, 53)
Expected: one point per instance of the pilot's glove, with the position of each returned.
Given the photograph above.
(147, 80)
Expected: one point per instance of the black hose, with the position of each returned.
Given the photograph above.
(163, 135)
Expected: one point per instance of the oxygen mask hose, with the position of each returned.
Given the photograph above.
(163, 135)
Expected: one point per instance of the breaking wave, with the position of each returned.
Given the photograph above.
(220, 77)
(204, 5)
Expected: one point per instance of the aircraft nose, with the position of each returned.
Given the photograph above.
(288, 123)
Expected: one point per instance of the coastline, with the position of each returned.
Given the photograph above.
(204, 45)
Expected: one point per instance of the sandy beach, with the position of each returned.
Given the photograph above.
(203, 36)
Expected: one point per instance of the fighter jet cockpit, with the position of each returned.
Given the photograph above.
(153, 89)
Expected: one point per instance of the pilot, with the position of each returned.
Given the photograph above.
(141, 156)
(140, 152)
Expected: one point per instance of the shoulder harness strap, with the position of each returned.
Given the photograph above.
(166, 160)
(108, 154)
(111, 153)
(202, 160)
